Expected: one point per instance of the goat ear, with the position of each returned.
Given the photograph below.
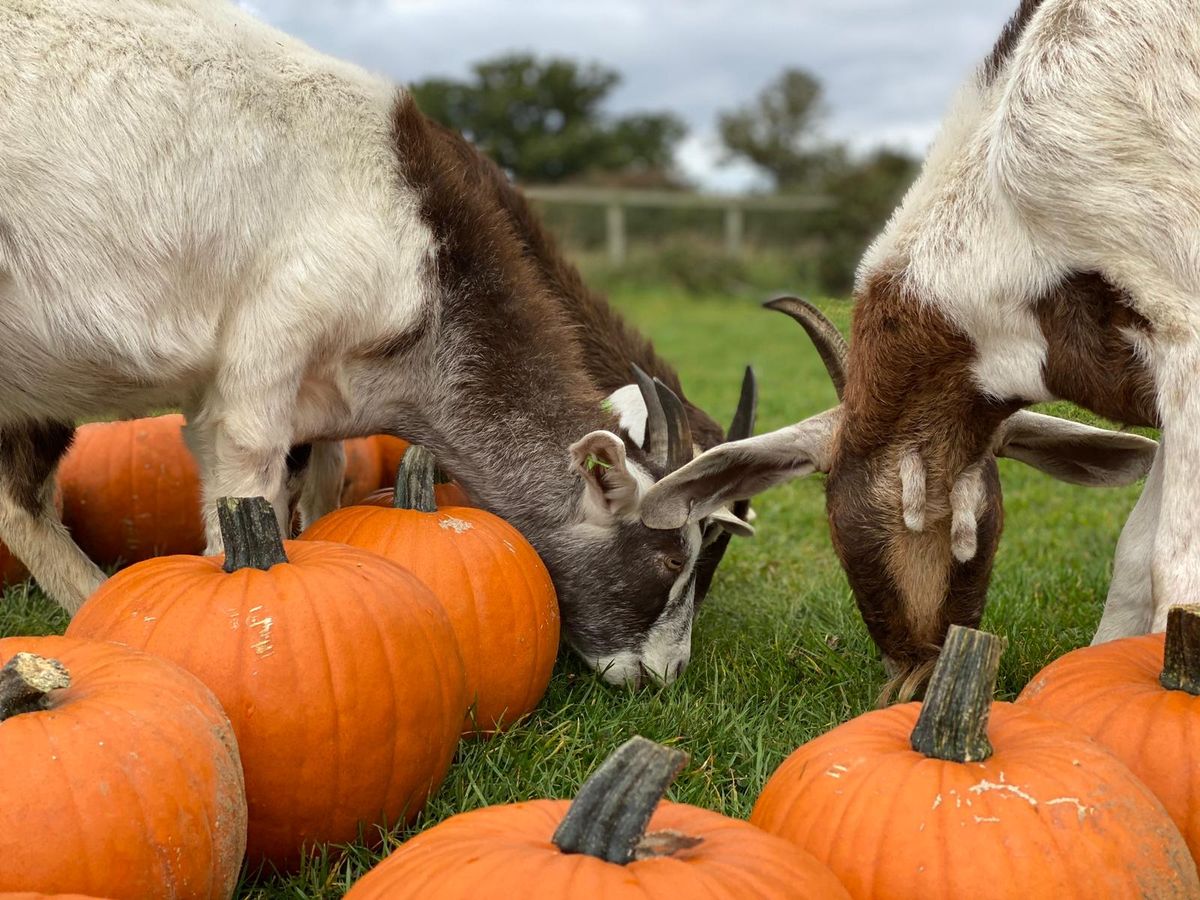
(738, 470)
(611, 486)
(628, 405)
(1075, 453)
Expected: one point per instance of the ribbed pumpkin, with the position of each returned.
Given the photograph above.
(120, 775)
(598, 846)
(339, 670)
(962, 797)
(495, 588)
(131, 490)
(1140, 698)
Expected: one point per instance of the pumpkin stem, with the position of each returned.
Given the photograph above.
(608, 817)
(414, 481)
(954, 715)
(251, 533)
(26, 680)
(1181, 658)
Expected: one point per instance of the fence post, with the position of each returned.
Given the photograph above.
(735, 227)
(615, 227)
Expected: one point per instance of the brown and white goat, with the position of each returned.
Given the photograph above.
(610, 349)
(196, 209)
(1049, 249)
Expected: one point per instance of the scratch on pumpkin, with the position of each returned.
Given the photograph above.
(263, 646)
(984, 786)
(457, 525)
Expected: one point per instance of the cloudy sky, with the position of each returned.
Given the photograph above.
(889, 66)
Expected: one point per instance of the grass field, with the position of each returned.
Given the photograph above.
(780, 654)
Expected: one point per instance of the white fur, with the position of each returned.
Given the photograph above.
(1083, 155)
(629, 406)
(223, 243)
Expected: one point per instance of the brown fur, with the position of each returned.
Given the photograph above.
(909, 387)
(1089, 359)
(608, 343)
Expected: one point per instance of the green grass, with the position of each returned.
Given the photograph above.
(780, 654)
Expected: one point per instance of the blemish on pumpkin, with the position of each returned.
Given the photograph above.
(263, 646)
(937, 801)
(1080, 810)
(448, 523)
(985, 786)
(979, 819)
(836, 770)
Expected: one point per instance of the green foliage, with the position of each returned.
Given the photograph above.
(777, 131)
(780, 652)
(543, 119)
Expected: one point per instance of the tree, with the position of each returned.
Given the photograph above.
(542, 119)
(778, 131)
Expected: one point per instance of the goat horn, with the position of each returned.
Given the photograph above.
(828, 340)
(679, 431)
(742, 425)
(747, 409)
(655, 443)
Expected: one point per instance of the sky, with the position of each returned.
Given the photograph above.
(889, 67)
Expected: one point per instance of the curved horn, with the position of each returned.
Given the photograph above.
(656, 441)
(679, 430)
(743, 426)
(747, 409)
(828, 340)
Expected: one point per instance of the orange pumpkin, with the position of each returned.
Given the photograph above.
(1140, 698)
(391, 454)
(339, 670)
(497, 591)
(25, 895)
(121, 775)
(962, 797)
(597, 846)
(364, 469)
(131, 490)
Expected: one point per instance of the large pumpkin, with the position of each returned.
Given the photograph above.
(961, 797)
(598, 846)
(120, 775)
(1140, 698)
(131, 490)
(339, 670)
(497, 591)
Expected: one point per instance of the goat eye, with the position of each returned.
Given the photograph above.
(673, 563)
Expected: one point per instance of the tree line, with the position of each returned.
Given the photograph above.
(544, 121)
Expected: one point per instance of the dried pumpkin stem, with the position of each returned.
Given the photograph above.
(26, 680)
(414, 481)
(954, 715)
(251, 533)
(608, 818)
(1181, 659)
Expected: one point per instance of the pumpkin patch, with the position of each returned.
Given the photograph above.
(494, 587)
(954, 796)
(339, 670)
(615, 840)
(1140, 699)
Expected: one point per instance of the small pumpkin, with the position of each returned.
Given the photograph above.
(958, 796)
(339, 670)
(598, 846)
(121, 776)
(1140, 698)
(131, 490)
(492, 583)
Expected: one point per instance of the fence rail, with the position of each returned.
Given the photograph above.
(615, 201)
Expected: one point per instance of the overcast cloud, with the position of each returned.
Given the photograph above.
(889, 67)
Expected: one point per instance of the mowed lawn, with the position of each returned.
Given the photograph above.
(780, 654)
